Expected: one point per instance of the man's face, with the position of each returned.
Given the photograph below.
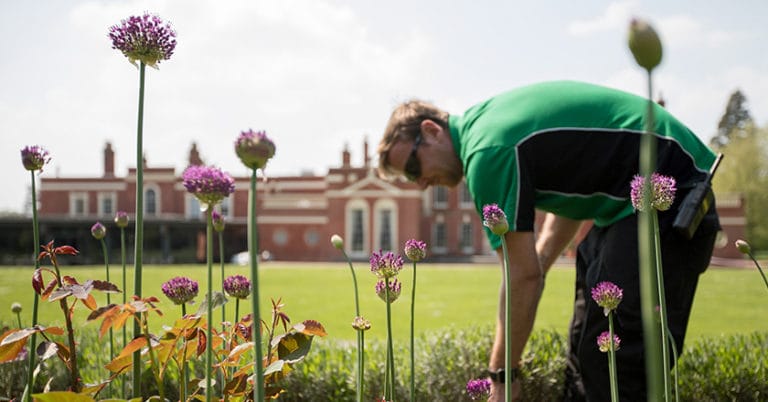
(427, 160)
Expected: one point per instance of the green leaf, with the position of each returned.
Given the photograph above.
(293, 346)
(275, 367)
(218, 300)
(62, 396)
(46, 350)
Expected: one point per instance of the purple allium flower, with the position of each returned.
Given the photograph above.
(607, 295)
(604, 341)
(662, 192)
(16, 308)
(98, 231)
(394, 290)
(34, 157)
(361, 324)
(180, 289)
(254, 148)
(237, 286)
(121, 219)
(209, 184)
(337, 242)
(495, 219)
(415, 250)
(146, 38)
(218, 221)
(386, 265)
(479, 388)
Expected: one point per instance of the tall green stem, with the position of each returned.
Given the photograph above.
(209, 330)
(413, 319)
(153, 358)
(253, 245)
(360, 358)
(33, 339)
(125, 336)
(508, 364)
(390, 369)
(612, 361)
(649, 295)
(139, 237)
(185, 366)
(111, 336)
(662, 305)
(221, 259)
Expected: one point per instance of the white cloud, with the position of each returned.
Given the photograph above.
(615, 16)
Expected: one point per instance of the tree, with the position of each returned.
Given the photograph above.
(744, 170)
(734, 121)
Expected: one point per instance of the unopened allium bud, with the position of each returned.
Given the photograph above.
(337, 242)
(180, 289)
(495, 219)
(604, 341)
(644, 44)
(34, 157)
(394, 290)
(607, 295)
(237, 286)
(16, 308)
(361, 324)
(254, 148)
(743, 247)
(218, 221)
(415, 250)
(121, 219)
(98, 231)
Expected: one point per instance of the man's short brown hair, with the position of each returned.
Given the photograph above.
(405, 124)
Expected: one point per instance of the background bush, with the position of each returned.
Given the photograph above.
(727, 368)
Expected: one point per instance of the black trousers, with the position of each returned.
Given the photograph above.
(610, 254)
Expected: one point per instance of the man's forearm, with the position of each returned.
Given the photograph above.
(555, 235)
(525, 292)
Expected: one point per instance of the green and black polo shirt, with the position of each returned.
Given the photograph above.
(569, 148)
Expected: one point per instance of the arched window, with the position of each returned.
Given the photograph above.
(356, 228)
(385, 225)
(150, 202)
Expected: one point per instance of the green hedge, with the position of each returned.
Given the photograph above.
(730, 368)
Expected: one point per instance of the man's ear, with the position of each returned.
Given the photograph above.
(429, 127)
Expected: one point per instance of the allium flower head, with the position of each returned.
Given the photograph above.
(495, 219)
(337, 242)
(604, 341)
(145, 38)
(16, 308)
(98, 231)
(662, 192)
(34, 157)
(121, 219)
(237, 286)
(361, 324)
(209, 184)
(386, 265)
(218, 221)
(394, 290)
(607, 295)
(415, 250)
(254, 148)
(180, 289)
(479, 389)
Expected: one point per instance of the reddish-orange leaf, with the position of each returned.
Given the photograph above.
(10, 350)
(69, 280)
(90, 302)
(134, 345)
(65, 250)
(48, 289)
(310, 327)
(120, 363)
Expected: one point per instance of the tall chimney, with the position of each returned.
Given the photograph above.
(366, 157)
(345, 157)
(194, 156)
(109, 161)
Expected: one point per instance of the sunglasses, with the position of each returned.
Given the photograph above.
(412, 169)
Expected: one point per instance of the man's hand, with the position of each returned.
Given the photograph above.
(497, 391)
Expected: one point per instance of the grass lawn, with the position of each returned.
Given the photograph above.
(728, 301)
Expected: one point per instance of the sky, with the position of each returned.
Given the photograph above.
(319, 75)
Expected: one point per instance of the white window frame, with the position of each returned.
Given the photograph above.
(112, 196)
(437, 248)
(352, 205)
(381, 205)
(73, 198)
(158, 199)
